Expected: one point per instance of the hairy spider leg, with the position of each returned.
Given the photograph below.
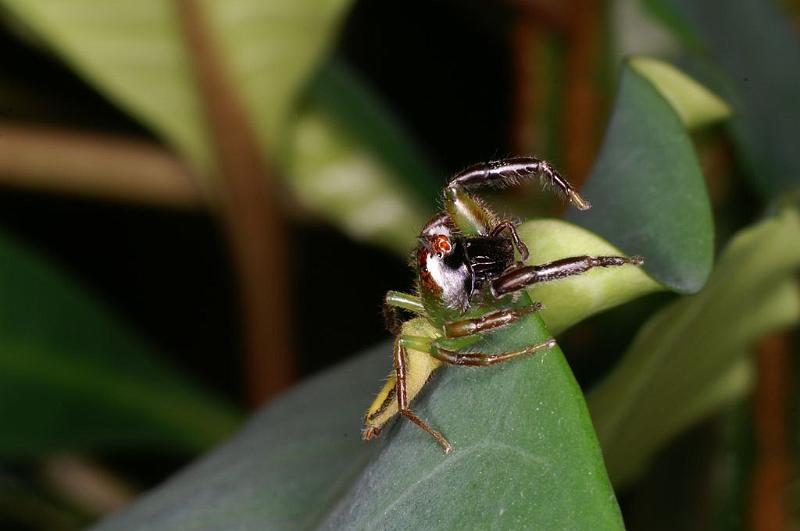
(397, 299)
(417, 356)
(474, 218)
(416, 367)
(484, 359)
(519, 277)
(488, 321)
(400, 369)
(511, 227)
(514, 171)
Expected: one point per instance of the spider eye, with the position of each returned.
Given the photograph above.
(441, 244)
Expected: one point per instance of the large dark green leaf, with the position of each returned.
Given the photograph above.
(525, 454)
(74, 378)
(647, 189)
(690, 358)
(758, 52)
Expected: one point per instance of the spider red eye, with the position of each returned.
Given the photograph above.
(441, 244)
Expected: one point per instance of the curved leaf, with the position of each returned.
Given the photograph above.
(647, 190)
(525, 454)
(686, 360)
(72, 377)
(573, 299)
(695, 104)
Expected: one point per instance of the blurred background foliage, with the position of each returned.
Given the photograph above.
(202, 202)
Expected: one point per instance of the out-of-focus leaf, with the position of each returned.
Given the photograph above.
(525, 455)
(695, 104)
(759, 52)
(341, 151)
(133, 51)
(73, 378)
(686, 360)
(647, 189)
(351, 162)
(573, 299)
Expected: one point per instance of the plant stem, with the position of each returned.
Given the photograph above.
(256, 229)
(768, 504)
(96, 165)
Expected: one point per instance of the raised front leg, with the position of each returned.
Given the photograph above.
(513, 172)
(520, 277)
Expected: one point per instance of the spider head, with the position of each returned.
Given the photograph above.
(442, 265)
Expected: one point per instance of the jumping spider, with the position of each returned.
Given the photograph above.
(467, 279)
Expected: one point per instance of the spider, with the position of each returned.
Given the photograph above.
(468, 284)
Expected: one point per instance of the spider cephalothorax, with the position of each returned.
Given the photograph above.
(466, 266)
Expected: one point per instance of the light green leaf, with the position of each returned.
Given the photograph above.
(351, 163)
(686, 360)
(695, 104)
(647, 189)
(573, 299)
(342, 152)
(73, 378)
(133, 51)
(756, 49)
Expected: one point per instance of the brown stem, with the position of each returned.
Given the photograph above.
(256, 229)
(581, 97)
(528, 100)
(96, 165)
(86, 484)
(768, 504)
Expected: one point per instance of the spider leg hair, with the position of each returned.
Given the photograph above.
(507, 173)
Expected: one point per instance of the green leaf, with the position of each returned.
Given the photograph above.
(573, 299)
(73, 378)
(758, 51)
(525, 455)
(352, 163)
(694, 103)
(686, 361)
(647, 189)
